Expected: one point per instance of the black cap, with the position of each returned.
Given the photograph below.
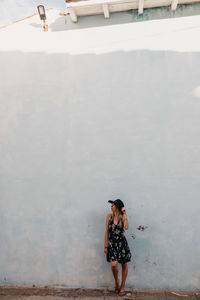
(117, 203)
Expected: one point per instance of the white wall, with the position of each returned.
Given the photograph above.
(79, 129)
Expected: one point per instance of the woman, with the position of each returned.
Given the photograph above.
(116, 247)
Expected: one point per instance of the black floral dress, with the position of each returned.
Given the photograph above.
(118, 249)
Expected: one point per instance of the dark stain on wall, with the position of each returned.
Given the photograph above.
(133, 235)
(142, 228)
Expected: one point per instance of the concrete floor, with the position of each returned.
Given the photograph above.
(46, 293)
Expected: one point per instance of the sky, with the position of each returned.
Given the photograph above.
(13, 10)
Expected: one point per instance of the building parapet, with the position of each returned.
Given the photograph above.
(78, 8)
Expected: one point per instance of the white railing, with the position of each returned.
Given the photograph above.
(94, 7)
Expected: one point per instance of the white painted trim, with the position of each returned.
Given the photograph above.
(106, 10)
(73, 15)
(174, 4)
(95, 7)
(140, 6)
(94, 2)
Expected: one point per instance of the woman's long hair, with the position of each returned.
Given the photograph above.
(119, 217)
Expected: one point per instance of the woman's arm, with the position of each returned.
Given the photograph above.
(125, 219)
(106, 234)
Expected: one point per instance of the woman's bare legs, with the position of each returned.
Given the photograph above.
(114, 268)
(124, 276)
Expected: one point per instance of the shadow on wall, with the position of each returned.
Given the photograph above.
(65, 23)
(98, 125)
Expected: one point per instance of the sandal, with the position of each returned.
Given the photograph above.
(122, 293)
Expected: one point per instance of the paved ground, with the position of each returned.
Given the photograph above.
(46, 293)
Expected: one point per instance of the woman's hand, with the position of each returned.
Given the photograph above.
(105, 250)
(124, 218)
(123, 210)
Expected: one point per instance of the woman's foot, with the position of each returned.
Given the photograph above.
(117, 287)
(122, 292)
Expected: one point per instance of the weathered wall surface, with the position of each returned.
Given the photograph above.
(77, 130)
